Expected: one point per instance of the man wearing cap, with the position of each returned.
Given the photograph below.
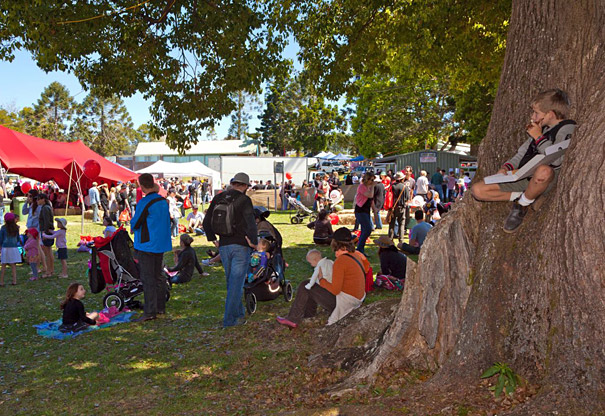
(401, 211)
(151, 215)
(195, 220)
(234, 245)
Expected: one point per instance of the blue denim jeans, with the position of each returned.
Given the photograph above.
(236, 262)
(365, 222)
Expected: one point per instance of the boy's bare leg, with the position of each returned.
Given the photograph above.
(543, 176)
(489, 192)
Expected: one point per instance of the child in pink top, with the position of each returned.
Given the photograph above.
(61, 243)
(32, 248)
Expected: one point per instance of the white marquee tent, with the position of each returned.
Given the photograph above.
(189, 169)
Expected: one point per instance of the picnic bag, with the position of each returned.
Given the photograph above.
(388, 282)
(124, 216)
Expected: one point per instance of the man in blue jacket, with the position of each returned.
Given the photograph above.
(151, 227)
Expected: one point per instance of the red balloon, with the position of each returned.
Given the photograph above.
(334, 219)
(92, 169)
(288, 175)
(26, 187)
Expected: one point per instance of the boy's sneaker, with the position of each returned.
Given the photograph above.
(515, 217)
(206, 262)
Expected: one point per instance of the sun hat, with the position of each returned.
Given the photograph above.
(384, 241)
(241, 177)
(9, 216)
(399, 176)
(62, 221)
(342, 234)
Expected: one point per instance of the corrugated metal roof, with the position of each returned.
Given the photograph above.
(204, 147)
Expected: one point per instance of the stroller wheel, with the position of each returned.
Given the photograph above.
(295, 220)
(167, 295)
(250, 303)
(114, 299)
(288, 292)
(313, 217)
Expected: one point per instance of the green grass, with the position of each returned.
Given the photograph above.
(182, 363)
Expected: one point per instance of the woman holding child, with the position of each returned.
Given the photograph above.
(340, 293)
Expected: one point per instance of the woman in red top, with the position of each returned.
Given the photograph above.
(339, 297)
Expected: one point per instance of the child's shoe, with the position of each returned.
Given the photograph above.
(33, 278)
(63, 276)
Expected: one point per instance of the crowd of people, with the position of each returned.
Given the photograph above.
(336, 288)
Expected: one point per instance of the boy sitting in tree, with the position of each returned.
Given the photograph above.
(549, 125)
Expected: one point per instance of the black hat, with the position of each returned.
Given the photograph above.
(342, 234)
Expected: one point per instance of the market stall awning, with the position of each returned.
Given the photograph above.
(45, 160)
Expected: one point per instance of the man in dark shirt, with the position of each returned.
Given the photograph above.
(379, 195)
(235, 249)
(401, 211)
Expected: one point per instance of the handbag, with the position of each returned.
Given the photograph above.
(369, 275)
(187, 203)
(390, 211)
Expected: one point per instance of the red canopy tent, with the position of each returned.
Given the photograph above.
(44, 160)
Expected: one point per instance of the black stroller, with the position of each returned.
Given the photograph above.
(272, 282)
(117, 271)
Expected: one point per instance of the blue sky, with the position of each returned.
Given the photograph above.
(22, 82)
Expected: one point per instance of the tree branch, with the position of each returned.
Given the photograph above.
(162, 18)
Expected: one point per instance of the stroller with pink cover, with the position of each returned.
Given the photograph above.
(112, 267)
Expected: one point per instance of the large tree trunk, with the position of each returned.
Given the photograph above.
(535, 299)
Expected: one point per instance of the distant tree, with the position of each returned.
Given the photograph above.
(401, 114)
(104, 125)
(12, 119)
(246, 105)
(52, 114)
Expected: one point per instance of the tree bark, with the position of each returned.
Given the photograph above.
(535, 299)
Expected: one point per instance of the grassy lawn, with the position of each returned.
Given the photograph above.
(182, 363)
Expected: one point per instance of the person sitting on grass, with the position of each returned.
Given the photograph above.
(322, 234)
(187, 260)
(74, 317)
(392, 261)
(345, 293)
(417, 236)
(548, 126)
(195, 220)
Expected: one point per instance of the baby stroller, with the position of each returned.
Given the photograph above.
(271, 283)
(301, 211)
(116, 270)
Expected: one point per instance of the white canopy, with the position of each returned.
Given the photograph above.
(189, 169)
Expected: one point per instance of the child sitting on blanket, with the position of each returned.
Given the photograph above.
(74, 317)
(323, 267)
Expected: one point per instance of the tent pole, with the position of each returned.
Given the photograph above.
(71, 169)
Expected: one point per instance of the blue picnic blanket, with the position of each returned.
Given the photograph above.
(51, 329)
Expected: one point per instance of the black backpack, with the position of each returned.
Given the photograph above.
(223, 215)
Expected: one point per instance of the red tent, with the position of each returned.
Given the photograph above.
(44, 160)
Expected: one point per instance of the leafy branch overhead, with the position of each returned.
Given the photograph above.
(189, 62)
(193, 59)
